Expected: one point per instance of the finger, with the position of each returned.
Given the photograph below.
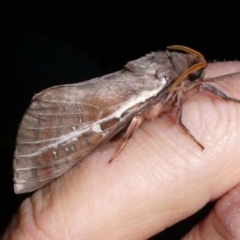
(160, 178)
(221, 68)
(223, 222)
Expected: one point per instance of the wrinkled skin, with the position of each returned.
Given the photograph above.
(159, 179)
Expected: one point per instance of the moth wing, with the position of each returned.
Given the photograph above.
(65, 123)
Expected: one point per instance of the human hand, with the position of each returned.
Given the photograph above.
(159, 179)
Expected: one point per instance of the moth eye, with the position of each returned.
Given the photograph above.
(196, 75)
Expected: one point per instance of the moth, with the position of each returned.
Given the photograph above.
(65, 123)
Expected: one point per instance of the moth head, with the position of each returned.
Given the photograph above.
(197, 66)
(199, 73)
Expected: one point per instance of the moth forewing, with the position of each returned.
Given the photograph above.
(65, 123)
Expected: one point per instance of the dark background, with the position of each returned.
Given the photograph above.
(60, 42)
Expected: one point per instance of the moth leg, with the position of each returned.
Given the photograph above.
(179, 121)
(206, 87)
(224, 78)
(217, 92)
(136, 121)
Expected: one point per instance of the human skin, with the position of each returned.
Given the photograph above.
(160, 178)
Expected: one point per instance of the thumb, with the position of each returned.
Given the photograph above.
(224, 220)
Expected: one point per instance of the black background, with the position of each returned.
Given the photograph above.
(60, 42)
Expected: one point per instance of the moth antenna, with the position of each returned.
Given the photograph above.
(187, 50)
(193, 68)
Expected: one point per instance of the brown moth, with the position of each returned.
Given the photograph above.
(65, 123)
